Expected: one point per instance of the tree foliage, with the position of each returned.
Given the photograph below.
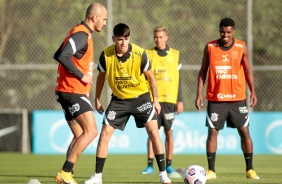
(31, 31)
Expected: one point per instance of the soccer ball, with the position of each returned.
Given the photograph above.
(194, 174)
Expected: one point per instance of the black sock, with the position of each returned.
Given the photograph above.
(168, 162)
(211, 160)
(99, 164)
(248, 160)
(68, 166)
(150, 162)
(160, 162)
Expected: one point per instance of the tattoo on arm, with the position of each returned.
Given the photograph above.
(153, 86)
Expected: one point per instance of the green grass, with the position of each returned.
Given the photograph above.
(20, 168)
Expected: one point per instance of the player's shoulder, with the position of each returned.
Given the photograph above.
(134, 46)
(111, 47)
(239, 43)
(213, 43)
(173, 50)
(81, 28)
(136, 49)
(110, 50)
(150, 50)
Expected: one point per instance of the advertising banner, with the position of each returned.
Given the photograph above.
(51, 135)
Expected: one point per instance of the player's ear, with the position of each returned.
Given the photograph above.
(95, 18)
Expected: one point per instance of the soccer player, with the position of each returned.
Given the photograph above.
(227, 61)
(74, 79)
(128, 71)
(166, 66)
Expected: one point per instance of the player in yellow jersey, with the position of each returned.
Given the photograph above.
(166, 67)
(130, 77)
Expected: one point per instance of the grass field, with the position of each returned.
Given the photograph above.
(20, 168)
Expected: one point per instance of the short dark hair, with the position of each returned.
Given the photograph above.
(121, 29)
(225, 22)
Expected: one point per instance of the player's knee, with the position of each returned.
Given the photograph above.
(104, 138)
(91, 134)
(94, 133)
(244, 132)
(245, 137)
(91, 137)
(153, 134)
(168, 133)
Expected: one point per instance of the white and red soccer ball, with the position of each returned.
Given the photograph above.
(194, 174)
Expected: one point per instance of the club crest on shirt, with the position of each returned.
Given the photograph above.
(225, 58)
(214, 116)
(111, 115)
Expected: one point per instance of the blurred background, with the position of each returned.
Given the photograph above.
(31, 31)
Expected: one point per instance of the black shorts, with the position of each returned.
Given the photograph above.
(167, 115)
(120, 110)
(73, 104)
(234, 113)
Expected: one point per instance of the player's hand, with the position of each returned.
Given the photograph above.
(99, 107)
(87, 79)
(179, 107)
(253, 100)
(199, 102)
(157, 107)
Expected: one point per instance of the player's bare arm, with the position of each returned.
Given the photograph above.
(179, 107)
(152, 82)
(87, 79)
(99, 87)
(249, 76)
(201, 78)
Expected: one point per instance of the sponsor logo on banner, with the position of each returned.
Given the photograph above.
(58, 128)
(186, 138)
(274, 130)
(8, 130)
(51, 134)
(60, 137)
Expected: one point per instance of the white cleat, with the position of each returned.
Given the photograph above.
(95, 179)
(164, 178)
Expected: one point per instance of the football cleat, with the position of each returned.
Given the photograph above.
(251, 174)
(164, 178)
(169, 169)
(172, 173)
(95, 179)
(63, 177)
(211, 175)
(148, 170)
